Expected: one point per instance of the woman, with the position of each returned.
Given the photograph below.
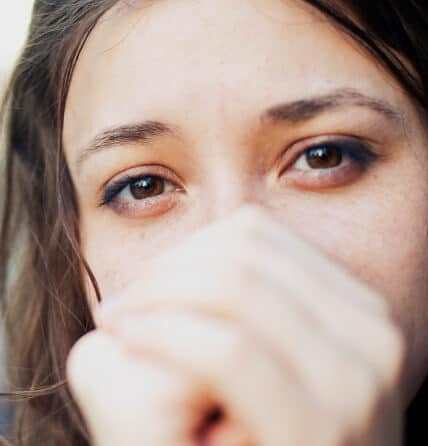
(245, 184)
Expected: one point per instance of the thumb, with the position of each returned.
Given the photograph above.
(127, 400)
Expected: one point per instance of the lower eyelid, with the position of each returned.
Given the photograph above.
(148, 207)
(322, 179)
(351, 168)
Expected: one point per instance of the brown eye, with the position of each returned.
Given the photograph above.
(148, 186)
(323, 157)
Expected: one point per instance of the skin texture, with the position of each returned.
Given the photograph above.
(251, 337)
(210, 69)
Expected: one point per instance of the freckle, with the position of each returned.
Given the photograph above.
(143, 235)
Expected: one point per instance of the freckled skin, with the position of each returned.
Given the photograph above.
(210, 68)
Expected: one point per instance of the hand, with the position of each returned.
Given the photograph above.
(244, 320)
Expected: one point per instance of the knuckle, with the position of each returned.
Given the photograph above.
(241, 254)
(250, 212)
(396, 343)
(392, 352)
(248, 240)
(338, 433)
(82, 355)
(234, 280)
(366, 387)
(362, 389)
(251, 220)
(232, 351)
(173, 388)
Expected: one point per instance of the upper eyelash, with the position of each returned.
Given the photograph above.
(116, 187)
(359, 151)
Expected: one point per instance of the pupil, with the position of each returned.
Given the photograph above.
(145, 183)
(146, 187)
(323, 157)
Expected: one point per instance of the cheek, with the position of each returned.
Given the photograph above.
(385, 244)
(117, 251)
(115, 261)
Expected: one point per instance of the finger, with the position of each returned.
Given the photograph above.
(338, 381)
(310, 264)
(263, 251)
(240, 245)
(355, 329)
(126, 401)
(277, 310)
(269, 400)
(252, 223)
(288, 334)
(250, 270)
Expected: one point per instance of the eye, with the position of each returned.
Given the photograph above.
(148, 186)
(141, 194)
(136, 188)
(322, 157)
(329, 162)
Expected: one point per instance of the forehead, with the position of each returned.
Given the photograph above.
(205, 63)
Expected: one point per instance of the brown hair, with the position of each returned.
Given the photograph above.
(42, 290)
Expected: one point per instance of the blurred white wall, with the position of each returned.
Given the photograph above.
(14, 20)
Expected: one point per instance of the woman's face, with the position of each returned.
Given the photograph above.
(181, 111)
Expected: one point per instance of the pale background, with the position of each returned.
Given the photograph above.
(14, 20)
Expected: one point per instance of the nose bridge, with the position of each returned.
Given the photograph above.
(229, 177)
(229, 184)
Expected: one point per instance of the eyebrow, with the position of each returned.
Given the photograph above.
(305, 109)
(138, 133)
(293, 112)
